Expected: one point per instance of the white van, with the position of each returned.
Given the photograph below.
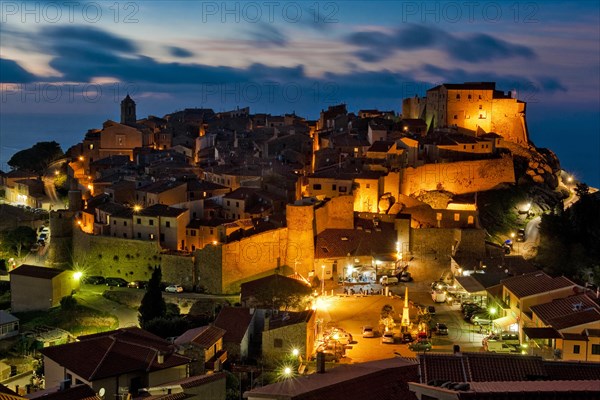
(388, 280)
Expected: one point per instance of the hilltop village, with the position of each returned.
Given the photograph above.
(355, 211)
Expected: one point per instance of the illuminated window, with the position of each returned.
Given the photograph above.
(92, 146)
(456, 216)
(470, 220)
(151, 236)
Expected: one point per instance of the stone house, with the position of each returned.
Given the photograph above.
(238, 323)
(121, 362)
(288, 330)
(40, 288)
(204, 345)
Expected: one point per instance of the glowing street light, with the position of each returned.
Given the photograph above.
(287, 372)
(295, 352)
(77, 275)
(137, 208)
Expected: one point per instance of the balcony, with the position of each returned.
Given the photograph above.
(216, 361)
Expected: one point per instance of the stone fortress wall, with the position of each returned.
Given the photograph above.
(459, 177)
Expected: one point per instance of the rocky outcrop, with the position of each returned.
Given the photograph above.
(535, 165)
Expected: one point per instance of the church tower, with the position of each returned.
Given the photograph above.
(128, 111)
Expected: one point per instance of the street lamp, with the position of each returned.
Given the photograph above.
(323, 280)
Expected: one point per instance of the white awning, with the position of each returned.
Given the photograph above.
(505, 322)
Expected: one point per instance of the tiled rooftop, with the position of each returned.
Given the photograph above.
(204, 336)
(235, 321)
(36, 272)
(535, 283)
(114, 353)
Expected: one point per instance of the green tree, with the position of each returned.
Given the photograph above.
(37, 157)
(68, 303)
(15, 240)
(166, 327)
(153, 305)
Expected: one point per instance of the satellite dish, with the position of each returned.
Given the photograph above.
(101, 392)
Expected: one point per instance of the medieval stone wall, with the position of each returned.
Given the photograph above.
(459, 177)
(129, 259)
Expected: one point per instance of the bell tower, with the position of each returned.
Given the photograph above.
(128, 116)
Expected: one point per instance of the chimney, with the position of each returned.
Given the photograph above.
(456, 350)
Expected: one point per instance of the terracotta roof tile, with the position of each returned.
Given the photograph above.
(341, 242)
(204, 336)
(287, 318)
(557, 370)
(562, 307)
(36, 272)
(235, 321)
(116, 352)
(442, 368)
(575, 319)
(500, 367)
(535, 283)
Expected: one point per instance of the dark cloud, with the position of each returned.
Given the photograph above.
(81, 36)
(481, 47)
(179, 52)
(11, 72)
(376, 46)
(267, 34)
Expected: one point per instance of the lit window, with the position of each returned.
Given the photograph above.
(151, 236)
(456, 216)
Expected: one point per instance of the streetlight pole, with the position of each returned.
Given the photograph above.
(322, 280)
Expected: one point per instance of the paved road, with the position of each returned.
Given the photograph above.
(91, 296)
(352, 312)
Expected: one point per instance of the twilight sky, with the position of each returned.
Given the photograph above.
(65, 66)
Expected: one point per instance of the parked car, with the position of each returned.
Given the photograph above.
(481, 319)
(137, 284)
(42, 238)
(407, 337)
(421, 345)
(94, 280)
(438, 296)
(368, 332)
(521, 237)
(431, 310)
(406, 277)
(174, 289)
(120, 282)
(441, 329)
(387, 337)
